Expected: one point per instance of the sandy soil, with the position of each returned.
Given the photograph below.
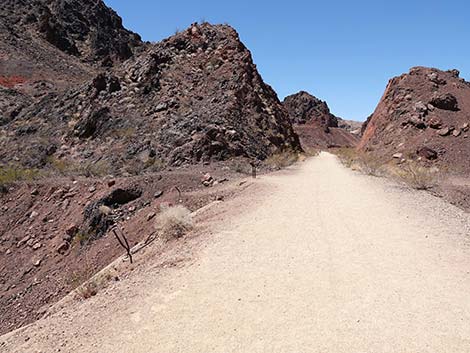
(314, 259)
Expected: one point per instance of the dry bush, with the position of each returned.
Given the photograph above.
(87, 290)
(282, 159)
(364, 162)
(311, 152)
(173, 222)
(13, 174)
(347, 155)
(71, 168)
(370, 165)
(241, 166)
(416, 176)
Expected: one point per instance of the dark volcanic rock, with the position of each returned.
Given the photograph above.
(304, 108)
(427, 153)
(446, 101)
(196, 96)
(97, 215)
(84, 28)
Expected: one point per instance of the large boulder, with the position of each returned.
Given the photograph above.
(445, 101)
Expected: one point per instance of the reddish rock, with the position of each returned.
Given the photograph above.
(63, 247)
(402, 98)
(71, 230)
(427, 153)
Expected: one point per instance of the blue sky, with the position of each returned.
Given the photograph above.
(341, 51)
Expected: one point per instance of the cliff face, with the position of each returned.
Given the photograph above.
(424, 115)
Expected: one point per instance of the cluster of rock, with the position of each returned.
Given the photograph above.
(424, 113)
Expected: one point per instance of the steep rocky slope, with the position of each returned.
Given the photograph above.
(196, 96)
(46, 48)
(425, 115)
(424, 118)
(316, 126)
(87, 29)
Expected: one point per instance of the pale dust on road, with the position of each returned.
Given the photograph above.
(327, 260)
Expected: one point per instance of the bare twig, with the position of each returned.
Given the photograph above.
(253, 169)
(123, 242)
(179, 194)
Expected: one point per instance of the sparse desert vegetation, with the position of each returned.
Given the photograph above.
(13, 174)
(366, 163)
(417, 176)
(410, 172)
(173, 222)
(282, 159)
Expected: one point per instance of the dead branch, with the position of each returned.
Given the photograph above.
(123, 242)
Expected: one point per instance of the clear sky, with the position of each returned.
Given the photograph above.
(343, 52)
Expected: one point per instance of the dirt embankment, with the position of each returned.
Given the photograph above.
(315, 259)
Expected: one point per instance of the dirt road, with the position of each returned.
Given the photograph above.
(322, 259)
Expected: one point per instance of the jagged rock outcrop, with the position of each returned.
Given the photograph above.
(49, 46)
(304, 108)
(194, 97)
(84, 28)
(423, 114)
(316, 125)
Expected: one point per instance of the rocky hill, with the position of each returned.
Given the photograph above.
(316, 126)
(194, 97)
(304, 108)
(425, 115)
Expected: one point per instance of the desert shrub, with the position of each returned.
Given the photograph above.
(241, 166)
(13, 174)
(82, 238)
(124, 133)
(87, 290)
(173, 222)
(311, 152)
(154, 165)
(69, 168)
(60, 166)
(370, 165)
(93, 169)
(364, 162)
(347, 155)
(282, 159)
(417, 176)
